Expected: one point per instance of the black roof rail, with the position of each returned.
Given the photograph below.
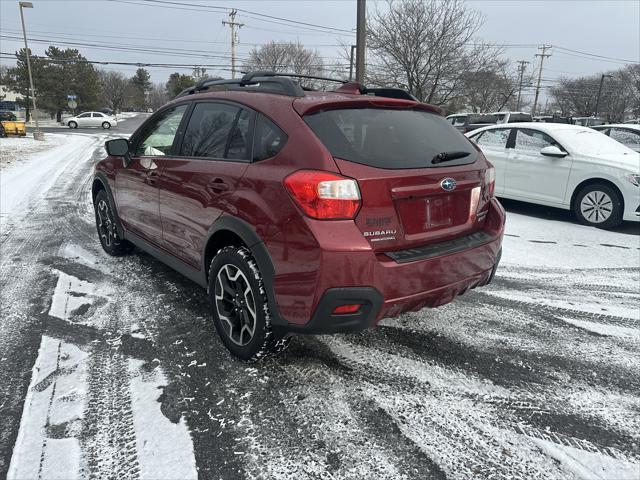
(263, 81)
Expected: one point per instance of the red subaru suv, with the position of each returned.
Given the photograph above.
(302, 211)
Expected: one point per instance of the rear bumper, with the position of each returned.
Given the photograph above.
(388, 287)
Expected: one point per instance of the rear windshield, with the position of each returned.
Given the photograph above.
(484, 118)
(393, 139)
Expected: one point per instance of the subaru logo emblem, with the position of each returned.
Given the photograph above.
(448, 184)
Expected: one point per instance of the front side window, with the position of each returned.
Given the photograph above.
(268, 139)
(84, 115)
(533, 140)
(493, 138)
(626, 137)
(217, 130)
(389, 138)
(157, 139)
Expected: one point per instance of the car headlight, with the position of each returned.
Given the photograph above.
(633, 178)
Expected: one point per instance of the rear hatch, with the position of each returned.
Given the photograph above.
(420, 179)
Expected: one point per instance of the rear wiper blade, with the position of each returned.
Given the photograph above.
(448, 156)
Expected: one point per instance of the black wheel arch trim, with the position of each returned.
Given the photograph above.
(102, 178)
(255, 244)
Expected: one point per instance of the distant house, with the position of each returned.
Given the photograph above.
(9, 100)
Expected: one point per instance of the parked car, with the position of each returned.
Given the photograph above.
(512, 117)
(626, 134)
(587, 121)
(552, 119)
(92, 119)
(11, 126)
(301, 211)
(466, 122)
(565, 166)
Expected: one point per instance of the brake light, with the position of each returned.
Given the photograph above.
(490, 180)
(324, 195)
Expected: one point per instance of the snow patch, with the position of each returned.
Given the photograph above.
(604, 328)
(70, 294)
(165, 449)
(587, 465)
(56, 397)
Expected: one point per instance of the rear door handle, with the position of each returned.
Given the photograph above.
(151, 177)
(218, 185)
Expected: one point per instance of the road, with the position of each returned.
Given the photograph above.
(536, 376)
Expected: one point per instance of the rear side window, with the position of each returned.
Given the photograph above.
(392, 139)
(519, 117)
(217, 130)
(268, 139)
(493, 138)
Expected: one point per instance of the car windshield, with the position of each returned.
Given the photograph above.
(390, 138)
(590, 142)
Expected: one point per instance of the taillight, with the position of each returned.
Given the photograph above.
(490, 180)
(324, 195)
(474, 201)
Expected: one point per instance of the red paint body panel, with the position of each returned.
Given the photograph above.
(175, 204)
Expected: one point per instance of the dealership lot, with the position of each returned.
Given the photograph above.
(536, 376)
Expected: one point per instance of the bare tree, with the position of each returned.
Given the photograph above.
(427, 47)
(158, 96)
(493, 87)
(287, 57)
(620, 96)
(113, 89)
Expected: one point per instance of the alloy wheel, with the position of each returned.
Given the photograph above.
(235, 304)
(596, 206)
(105, 223)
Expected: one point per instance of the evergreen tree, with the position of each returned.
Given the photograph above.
(178, 82)
(141, 83)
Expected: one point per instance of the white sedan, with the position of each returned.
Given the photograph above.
(565, 166)
(92, 119)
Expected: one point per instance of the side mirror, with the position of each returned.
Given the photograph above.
(553, 151)
(119, 147)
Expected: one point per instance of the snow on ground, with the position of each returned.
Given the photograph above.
(15, 150)
(535, 376)
(535, 242)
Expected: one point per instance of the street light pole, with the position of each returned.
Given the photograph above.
(37, 135)
(599, 92)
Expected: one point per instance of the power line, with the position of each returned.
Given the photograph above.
(325, 27)
(250, 14)
(596, 55)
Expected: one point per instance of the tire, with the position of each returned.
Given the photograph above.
(598, 205)
(72, 125)
(106, 226)
(106, 125)
(238, 300)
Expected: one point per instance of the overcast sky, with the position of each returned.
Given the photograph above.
(124, 30)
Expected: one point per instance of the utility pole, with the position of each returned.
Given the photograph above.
(600, 92)
(353, 50)
(361, 38)
(234, 38)
(521, 69)
(542, 56)
(38, 135)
